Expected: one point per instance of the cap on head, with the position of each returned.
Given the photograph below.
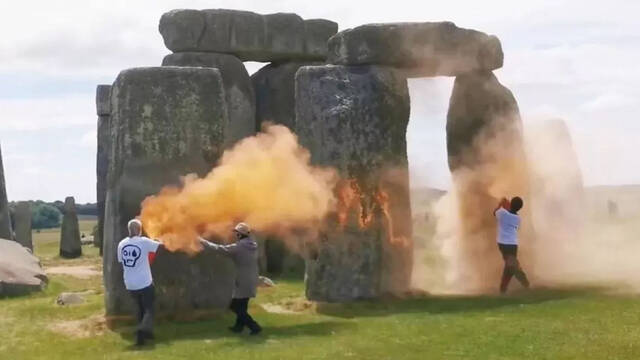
(243, 229)
(516, 204)
(135, 227)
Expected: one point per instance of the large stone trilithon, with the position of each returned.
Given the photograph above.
(355, 119)
(166, 122)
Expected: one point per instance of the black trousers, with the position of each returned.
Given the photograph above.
(144, 299)
(511, 267)
(239, 307)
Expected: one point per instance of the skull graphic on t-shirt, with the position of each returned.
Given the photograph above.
(130, 255)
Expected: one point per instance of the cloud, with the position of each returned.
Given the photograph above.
(571, 59)
(90, 139)
(608, 101)
(42, 113)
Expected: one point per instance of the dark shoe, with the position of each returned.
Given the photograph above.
(140, 337)
(256, 330)
(236, 329)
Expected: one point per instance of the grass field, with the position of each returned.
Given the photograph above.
(578, 323)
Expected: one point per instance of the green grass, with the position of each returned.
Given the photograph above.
(580, 323)
(46, 245)
(543, 324)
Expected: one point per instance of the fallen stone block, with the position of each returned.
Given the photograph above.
(20, 271)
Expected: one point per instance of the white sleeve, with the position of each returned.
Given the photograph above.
(119, 253)
(500, 213)
(151, 245)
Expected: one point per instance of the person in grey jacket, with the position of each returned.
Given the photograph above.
(244, 253)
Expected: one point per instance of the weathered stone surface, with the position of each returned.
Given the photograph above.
(6, 232)
(20, 271)
(103, 100)
(284, 36)
(247, 35)
(182, 29)
(282, 260)
(486, 157)
(316, 35)
(166, 122)
(479, 103)
(274, 86)
(23, 224)
(421, 49)
(70, 298)
(241, 101)
(355, 119)
(264, 281)
(103, 108)
(70, 246)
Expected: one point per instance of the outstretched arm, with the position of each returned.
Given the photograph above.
(223, 249)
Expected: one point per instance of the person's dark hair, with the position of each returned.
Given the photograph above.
(516, 204)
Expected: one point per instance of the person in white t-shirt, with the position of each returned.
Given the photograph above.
(135, 253)
(508, 224)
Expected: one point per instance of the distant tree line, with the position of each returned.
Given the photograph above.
(46, 215)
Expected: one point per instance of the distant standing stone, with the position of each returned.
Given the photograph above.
(103, 109)
(23, 224)
(5, 221)
(70, 246)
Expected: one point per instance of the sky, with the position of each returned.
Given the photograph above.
(574, 60)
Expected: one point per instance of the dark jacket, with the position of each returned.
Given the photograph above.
(244, 254)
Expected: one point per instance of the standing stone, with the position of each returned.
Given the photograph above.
(247, 35)
(70, 246)
(166, 122)
(420, 49)
(280, 259)
(557, 198)
(23, 224)
(355, 119)
(241, 101)
(6, 232)
(487, 162)
(103, 109)
(274, 86)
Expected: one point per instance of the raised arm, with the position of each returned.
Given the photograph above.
(504, 203)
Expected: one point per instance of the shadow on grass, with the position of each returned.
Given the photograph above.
(439, 304)
(169, 332)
